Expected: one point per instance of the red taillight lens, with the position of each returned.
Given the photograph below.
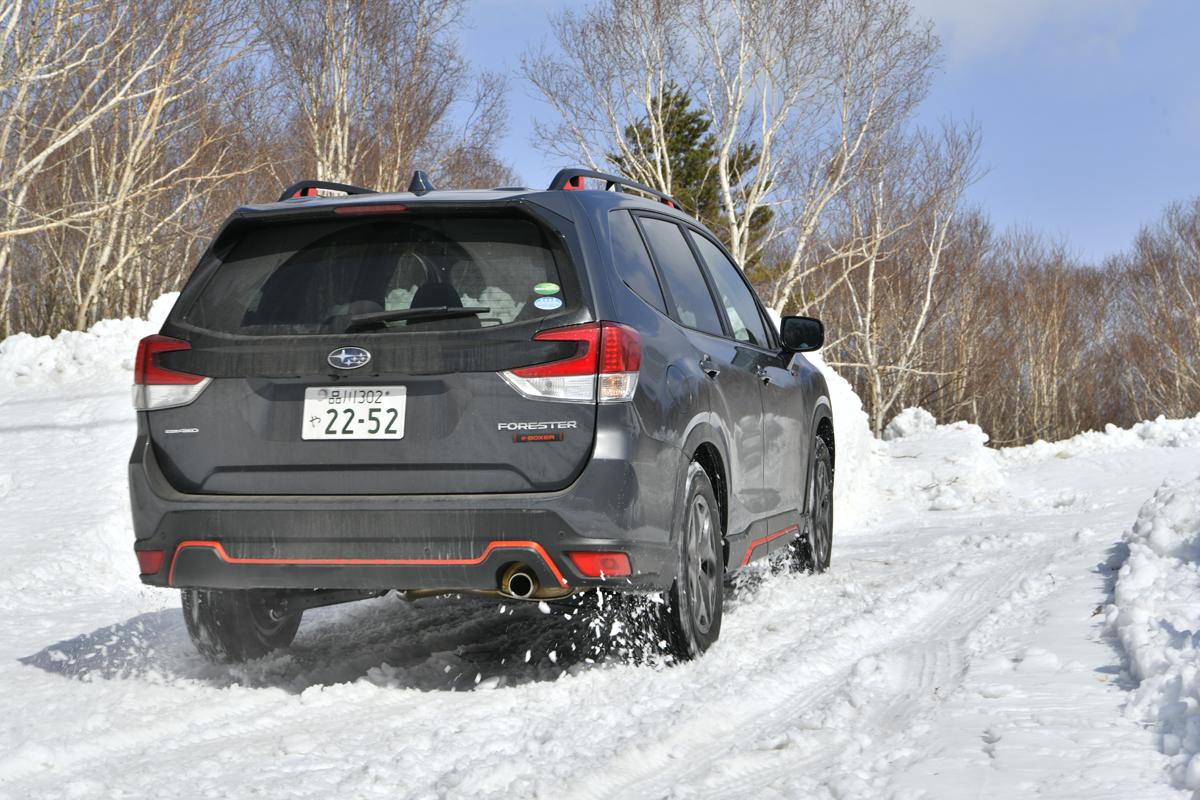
(620, 349)
(599, 564)
(608, 354)
(146, 370)
(155, 386)
(582, 363)
(150, 561)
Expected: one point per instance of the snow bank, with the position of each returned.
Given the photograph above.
(1160, 432)
(1155, 614)
(105, 349)
(859, 455)
(938, 467)
(910, 422)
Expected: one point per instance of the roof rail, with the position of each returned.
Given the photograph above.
(309, 189)
(572, 178)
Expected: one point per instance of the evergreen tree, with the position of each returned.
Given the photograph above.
(692, 152)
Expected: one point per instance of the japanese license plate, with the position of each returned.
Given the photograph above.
(354, 412)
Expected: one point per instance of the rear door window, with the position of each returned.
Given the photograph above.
(632, 261)
(320, 277)
(692, 302)
(741, 309)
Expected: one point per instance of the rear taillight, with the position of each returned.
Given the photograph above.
(604, 367)
(155, 386)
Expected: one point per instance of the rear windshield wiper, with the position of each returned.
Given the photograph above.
(360, 322)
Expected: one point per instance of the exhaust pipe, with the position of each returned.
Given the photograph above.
(519, 582)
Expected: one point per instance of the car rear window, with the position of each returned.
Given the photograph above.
(328, 277)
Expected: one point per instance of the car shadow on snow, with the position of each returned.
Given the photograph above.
(433, 644)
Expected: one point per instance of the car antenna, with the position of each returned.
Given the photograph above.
(420, 184)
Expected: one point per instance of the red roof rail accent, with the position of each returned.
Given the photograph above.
(309, 189)
(571, 179)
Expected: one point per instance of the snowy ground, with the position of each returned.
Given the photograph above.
(963, 644)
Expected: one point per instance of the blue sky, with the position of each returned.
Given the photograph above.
(1090, 109)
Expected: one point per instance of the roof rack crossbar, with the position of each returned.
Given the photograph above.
(302, 189)
(568, 177)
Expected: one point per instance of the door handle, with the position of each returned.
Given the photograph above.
(709, 366)
(763, 375)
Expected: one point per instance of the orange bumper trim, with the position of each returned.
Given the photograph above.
(504, 544)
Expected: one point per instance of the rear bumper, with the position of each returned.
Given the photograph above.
(374, 542)
(206, 563)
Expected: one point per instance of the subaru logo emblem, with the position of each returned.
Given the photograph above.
(348, 358)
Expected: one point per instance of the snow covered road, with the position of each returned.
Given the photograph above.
(957, 648)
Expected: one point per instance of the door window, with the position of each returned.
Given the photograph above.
(740, 306)
(693, 304)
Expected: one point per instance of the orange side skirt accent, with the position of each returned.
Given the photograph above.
(406, 562)
(768, 538)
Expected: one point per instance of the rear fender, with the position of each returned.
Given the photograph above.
(703, 433)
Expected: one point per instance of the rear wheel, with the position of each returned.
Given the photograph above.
(815, 552)
(238, 625)
(693, 619)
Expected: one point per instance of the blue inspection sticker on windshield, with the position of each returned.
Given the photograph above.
(548, 303)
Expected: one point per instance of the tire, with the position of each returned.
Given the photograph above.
(228, 625)
(693, 614)
(814, 552)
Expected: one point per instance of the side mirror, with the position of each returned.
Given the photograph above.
(802, 334)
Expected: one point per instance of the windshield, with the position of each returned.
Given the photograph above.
(326, 277)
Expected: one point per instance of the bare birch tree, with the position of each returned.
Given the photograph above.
(129, 129)
(616, 66)
(1160, 331)
(370, 85)
(900, 223)
(59, 79)
(812, 86)
(155, 160)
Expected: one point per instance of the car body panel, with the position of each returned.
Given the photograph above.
(615, 485)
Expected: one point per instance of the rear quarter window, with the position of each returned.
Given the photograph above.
(318, 277)
(632, 260)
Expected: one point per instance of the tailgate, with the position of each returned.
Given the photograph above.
(394, 406)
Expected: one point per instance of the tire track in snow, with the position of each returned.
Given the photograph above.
(922, 654)
(247, 714)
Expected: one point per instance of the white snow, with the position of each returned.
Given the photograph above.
(104, 350)
(1156, 615)
(1159, 432)
(856, 498)
(909, 422)
(963, 644)
(938, 467)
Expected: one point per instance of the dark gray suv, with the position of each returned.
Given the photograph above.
(516, 393)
